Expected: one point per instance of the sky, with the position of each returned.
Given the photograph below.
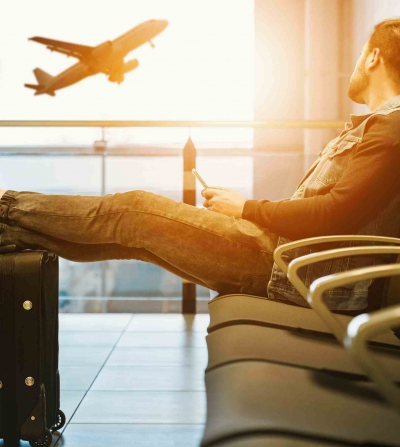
(202, 66)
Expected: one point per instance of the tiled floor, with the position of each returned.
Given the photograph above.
(132, 380)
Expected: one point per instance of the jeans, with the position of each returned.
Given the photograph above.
(221, 253)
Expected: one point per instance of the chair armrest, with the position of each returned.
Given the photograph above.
(325, 239)
(315, 300)
(366, 326)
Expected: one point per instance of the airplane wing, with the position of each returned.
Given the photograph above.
(67, 48)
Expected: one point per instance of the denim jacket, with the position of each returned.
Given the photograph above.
(320, 179)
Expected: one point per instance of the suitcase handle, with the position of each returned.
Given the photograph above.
(8, 249)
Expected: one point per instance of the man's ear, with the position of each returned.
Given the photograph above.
(373, 59)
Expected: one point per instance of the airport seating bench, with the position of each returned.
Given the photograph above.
(292, 376)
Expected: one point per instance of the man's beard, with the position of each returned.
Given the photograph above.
(359, 83)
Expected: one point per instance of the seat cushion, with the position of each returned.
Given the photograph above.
(228, 310)
(248, 397)
(248, 342)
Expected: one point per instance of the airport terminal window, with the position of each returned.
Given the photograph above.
(201, 68)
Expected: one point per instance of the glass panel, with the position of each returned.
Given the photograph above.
(228, 172)
(161, 175)
(146, 137)
(51, 174)
(224, 138)
(60, 175)
(202, 66)
(121, 280)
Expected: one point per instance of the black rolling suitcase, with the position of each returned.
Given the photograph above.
(29, 377)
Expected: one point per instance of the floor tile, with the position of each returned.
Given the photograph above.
(115, 435)
(69, 402)
(82, 338)
(162, 340)
(158, 356)
(142, 378)
(77, 378)
(169, 323)
(84, 356)
(141, 407)
(94, 322)
(154, 376)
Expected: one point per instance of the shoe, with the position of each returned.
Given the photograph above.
(5, 228)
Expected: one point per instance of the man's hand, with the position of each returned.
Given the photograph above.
(223, 201)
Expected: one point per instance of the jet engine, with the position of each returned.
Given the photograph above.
(118, 75)
(130, 65)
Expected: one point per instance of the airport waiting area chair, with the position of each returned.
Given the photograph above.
(293, 376)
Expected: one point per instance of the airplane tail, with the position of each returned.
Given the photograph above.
(42, 77)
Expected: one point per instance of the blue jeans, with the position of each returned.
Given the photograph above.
(221, 253)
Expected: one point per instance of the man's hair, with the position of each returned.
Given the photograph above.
(386, 37)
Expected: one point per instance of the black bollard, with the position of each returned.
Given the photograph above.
(189, 197)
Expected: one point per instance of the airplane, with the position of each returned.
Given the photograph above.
(107, 58)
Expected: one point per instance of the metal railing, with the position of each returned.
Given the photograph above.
(268, 124)
(189, 154)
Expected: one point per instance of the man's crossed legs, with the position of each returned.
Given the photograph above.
(222, 253)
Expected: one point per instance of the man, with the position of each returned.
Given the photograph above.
(353, 187)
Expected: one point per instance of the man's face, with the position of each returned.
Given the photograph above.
(359, 80)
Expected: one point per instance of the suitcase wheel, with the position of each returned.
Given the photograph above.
(60, 421)
(45, 442)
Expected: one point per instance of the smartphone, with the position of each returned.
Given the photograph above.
(197, 175)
